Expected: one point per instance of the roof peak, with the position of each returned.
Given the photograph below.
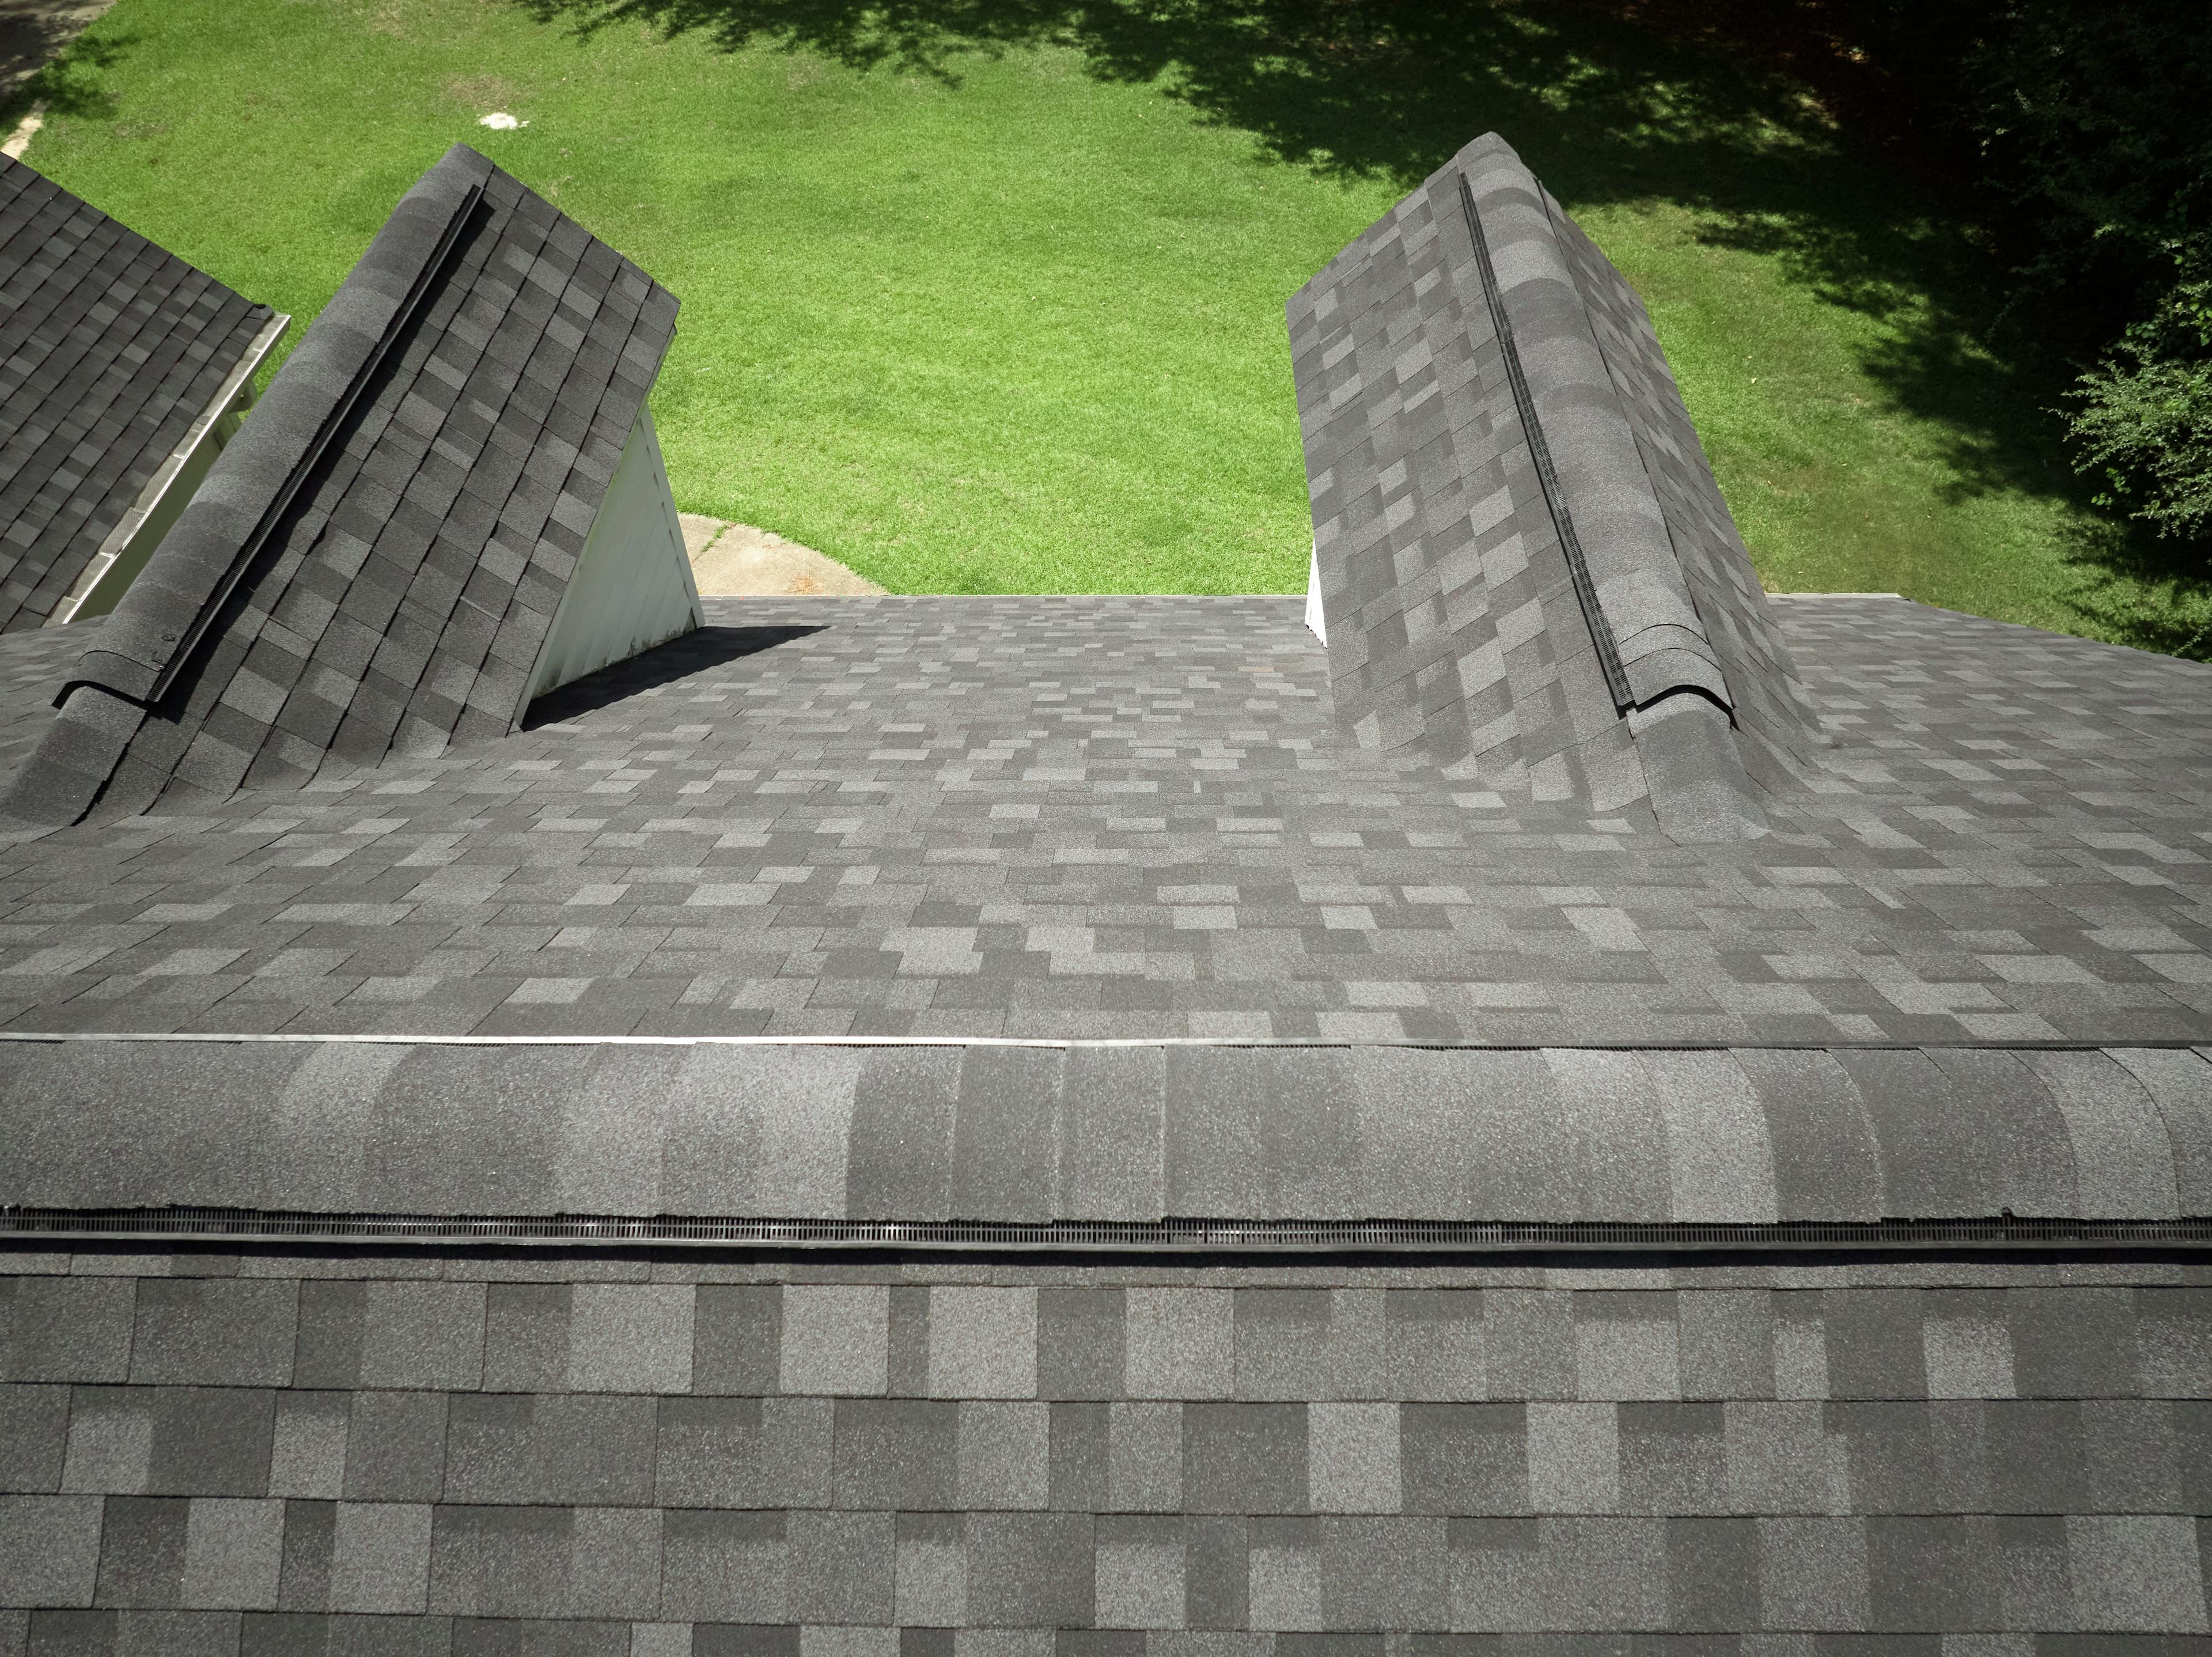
(1525, 567)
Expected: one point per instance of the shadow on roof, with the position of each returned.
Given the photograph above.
(700, 648)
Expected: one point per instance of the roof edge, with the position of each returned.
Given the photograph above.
(235, 395)
(226, 1228)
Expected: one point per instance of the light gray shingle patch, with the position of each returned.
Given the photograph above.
(630, 1338)
(1141, 1573)
(233, 1551)
(1114, 1138)
(836, 1339)
(1826, 1163)
(1614, 1134)
(1721, 1160)
(1178, 1343)
(51, 1547)
(609, 1159)
(1353, 1457)
(423, 1334)
(982, 1343)
(931, 1587)
(802, 1103)
(66, 1329)
(111, 1442)
(2123, 1158)
(307, 1451)
(2180, 1085)
(380, 1557)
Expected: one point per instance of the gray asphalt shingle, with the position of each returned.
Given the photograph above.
(1917, 1496)
(110, 348)
(1675, 1137)
(1960, 974)
(328, 596)
(1527, 571)
(719, 840)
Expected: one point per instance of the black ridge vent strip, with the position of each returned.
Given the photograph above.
(1608, 649)
(266, 1226)
(196, 632)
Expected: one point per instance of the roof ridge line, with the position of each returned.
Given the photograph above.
(2021, 1044)
(185, 584)
(1176, 1233)
(1547, 473)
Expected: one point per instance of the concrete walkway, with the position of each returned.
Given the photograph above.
(737, 561)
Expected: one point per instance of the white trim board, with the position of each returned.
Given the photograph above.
(123, 553)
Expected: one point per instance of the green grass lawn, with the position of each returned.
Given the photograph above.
(986, 297)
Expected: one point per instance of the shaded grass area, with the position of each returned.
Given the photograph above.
(985, 294)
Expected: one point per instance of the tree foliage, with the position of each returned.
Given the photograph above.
(2089, 125)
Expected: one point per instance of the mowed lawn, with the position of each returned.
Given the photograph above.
(996, 305)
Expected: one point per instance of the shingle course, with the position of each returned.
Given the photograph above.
(787, 1132)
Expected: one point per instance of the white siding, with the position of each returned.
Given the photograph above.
(633, 587)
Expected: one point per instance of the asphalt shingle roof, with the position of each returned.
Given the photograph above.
(1525, 565)
(373, 564)
(1014, 1128)
(616, 1456)
(110, 347)
(1136, 818)
(1133, 1135)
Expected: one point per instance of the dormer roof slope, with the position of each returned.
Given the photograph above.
(1526, 568)
(374, 565)
(111, 347)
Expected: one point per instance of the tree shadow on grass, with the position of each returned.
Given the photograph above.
(1764, 129)
(69, 83)
(2139, 589)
